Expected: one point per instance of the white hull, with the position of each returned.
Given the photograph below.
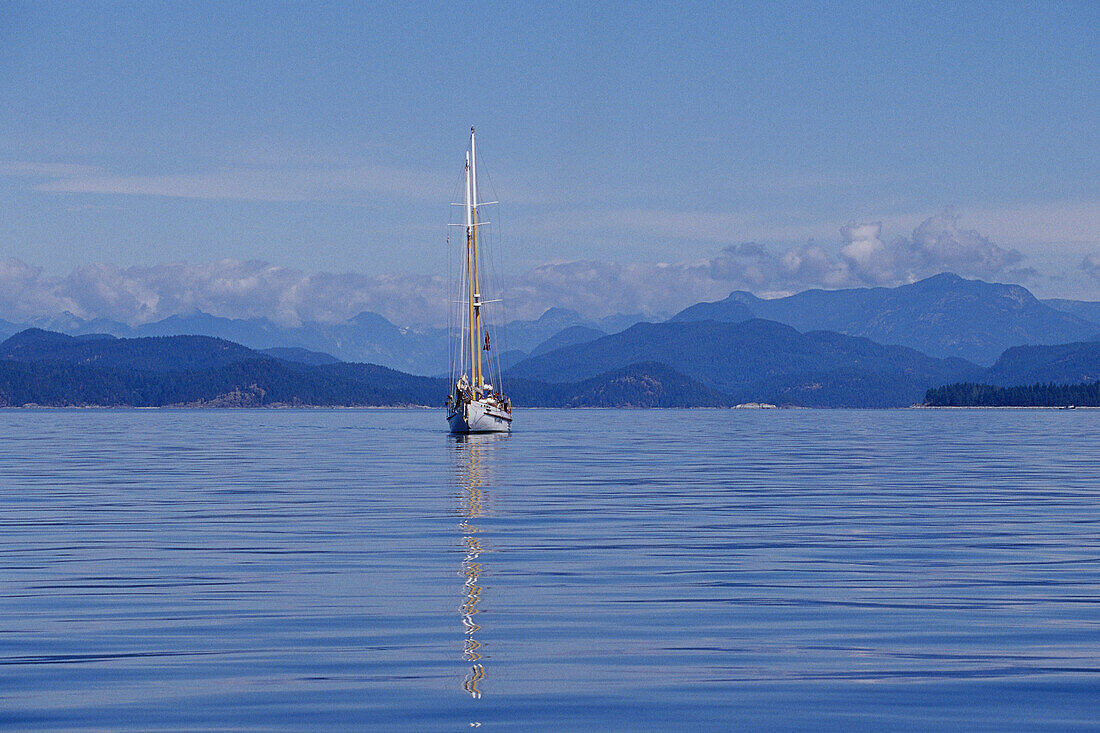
(479, 417)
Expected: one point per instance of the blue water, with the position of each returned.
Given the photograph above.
(596, 570)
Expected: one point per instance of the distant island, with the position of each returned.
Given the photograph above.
(1034, 395)
(940, 341)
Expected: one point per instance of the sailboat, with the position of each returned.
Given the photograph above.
(476, 405)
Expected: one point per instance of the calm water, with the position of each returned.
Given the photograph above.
(605, 570)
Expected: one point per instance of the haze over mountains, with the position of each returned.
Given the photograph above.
(368, 337)
(865, 347)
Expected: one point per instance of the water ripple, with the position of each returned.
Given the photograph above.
(610, 570)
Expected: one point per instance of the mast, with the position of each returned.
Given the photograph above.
(471, 315)
(475, 273)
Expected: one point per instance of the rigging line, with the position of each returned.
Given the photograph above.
(493, 256)
(450, 308)
(454, 322)
(498, 284)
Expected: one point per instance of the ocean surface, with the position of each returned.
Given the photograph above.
(612, 570)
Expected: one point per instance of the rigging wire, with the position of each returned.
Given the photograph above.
(454, 290)
(494, 256)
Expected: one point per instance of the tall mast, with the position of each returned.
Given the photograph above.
(472, 317)
(475, 273)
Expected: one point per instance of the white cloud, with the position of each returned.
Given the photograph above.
(865, 252)
(228, 288)
(257, 289)
(940, 244)
(937, 245)
(1066, 226)
(26, 293)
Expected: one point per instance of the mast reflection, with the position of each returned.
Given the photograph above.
(472, 453)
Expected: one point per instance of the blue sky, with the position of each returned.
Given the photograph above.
(329, 137)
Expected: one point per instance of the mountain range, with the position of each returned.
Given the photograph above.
(864, 347)
(367, 337)
(1089, 310)
(760, 361)
(943, 316)
(730, 363)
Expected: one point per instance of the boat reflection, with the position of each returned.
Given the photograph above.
(472, 455)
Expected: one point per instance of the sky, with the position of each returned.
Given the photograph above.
(156, 157)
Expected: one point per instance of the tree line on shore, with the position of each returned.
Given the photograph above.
(965, 394)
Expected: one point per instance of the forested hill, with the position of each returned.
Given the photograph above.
(761, 361)
(47, 368)
(156, 353)
(1035, 395)
(44, 368)
(250, 383)
(1061, 364)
